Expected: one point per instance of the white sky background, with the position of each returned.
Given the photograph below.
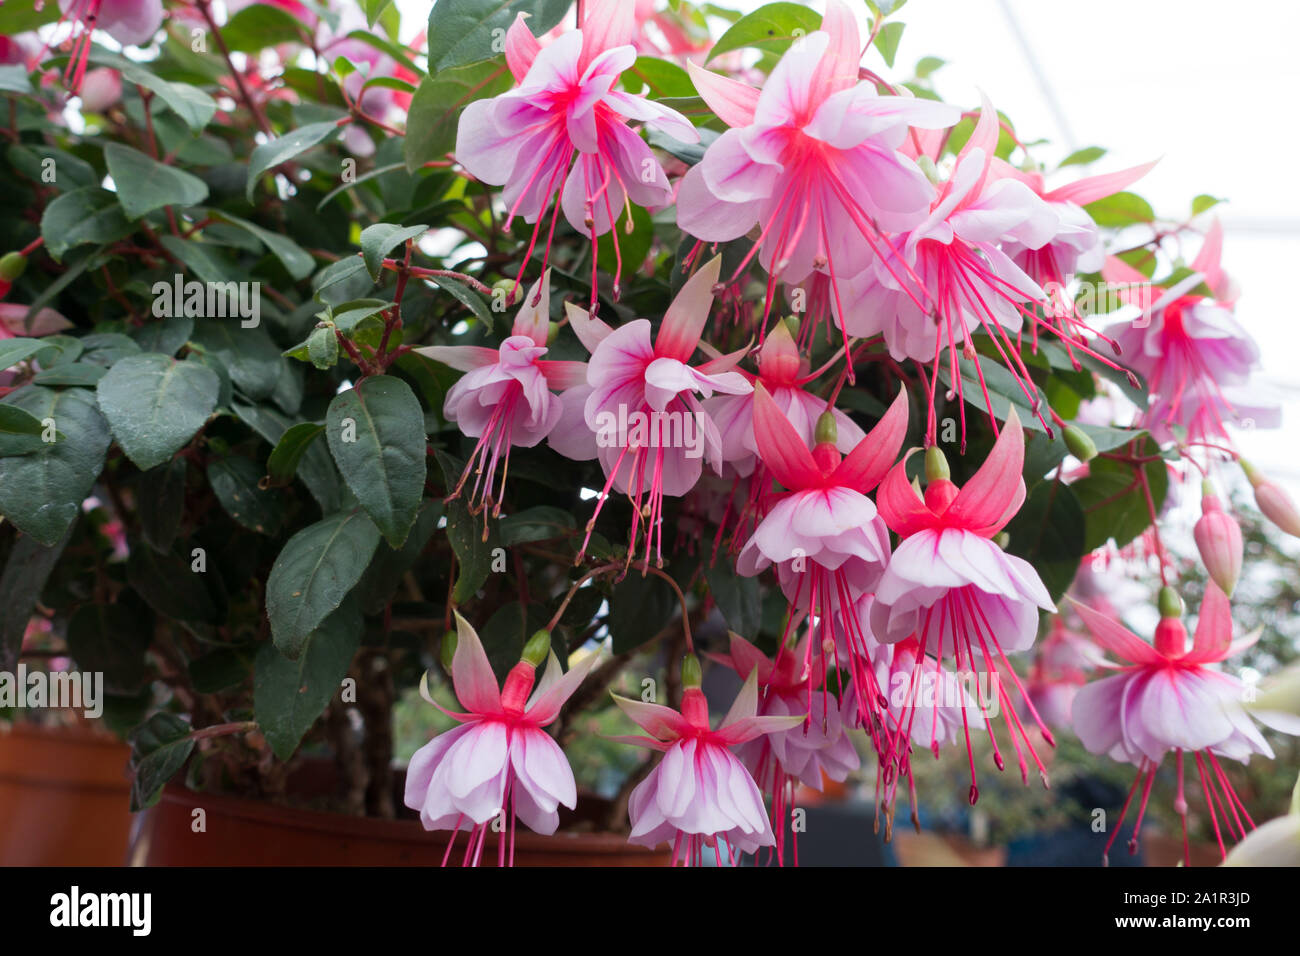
(1208, 87)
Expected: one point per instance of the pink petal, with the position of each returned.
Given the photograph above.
(545, 705)
(476, 684)
(521, 48)
(899, 504)
(683, 323)
(780, 446)
(659, 721)
(533, 318)
(732, 102)
(1092, 188)
(868, 463)
(1114, 637)
(983, 504)
(590, 330)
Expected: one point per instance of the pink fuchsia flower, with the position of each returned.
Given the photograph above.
(823, 534)
(792, 685)
(955, 254)
(504, 398)
(1194, 355)
(639, 414)
(948, 583)
(1273, 500)
(1062, 662)
(565, 105)
(1218, 538)
(101, 88)
(813, 158)
(1171, 697)
(700, 793)
(499, 760)
(129, 22)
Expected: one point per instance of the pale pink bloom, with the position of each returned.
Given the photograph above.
(1273, 500)
(129, 22)
(565, 104)
(813, 158)
(504, 398)
(969, 283)
(632, 380)
(499, 761)
(1172, 697)
(1218, 538)
(700, 793)
(950, 586)
(100, 89)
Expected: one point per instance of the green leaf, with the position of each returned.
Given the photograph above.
(927, 65)
(1119, 210)
(261, 26)
(658, 78)
(466, 297)
(737, 597)
(250, 355)
(165, 335)
(110, 639)
(194, 107)
(235, 482)
(155, 404)
(436, 107)
(81, 216)
(314, 573)
(1082, 157)
(1114, 500)
(19, 16)
(1004, 392)
(382, 238)
(390, 564)
(1203, 202)
(164, 489)
(288, 695)
(376, 435)
(288, 451)
(13, 351)
(314, 466)
(171, 586)
(465, 31)
(541, 523)
(271, 154)
(772, 27)
(20, 432)
(42, 492)
(887, 41)
(29, 566)
(639, 608)
(505, 633)
(296, 260)
(158, 751)
(144, 184)
(1049, 533)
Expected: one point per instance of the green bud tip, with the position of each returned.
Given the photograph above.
(510, 288)
(929, 168)
(1002, 539)
(936, 465)
(448, 650)
(1253, 476)
(552, 332)
(1080, 445)
(12, 265)
(792, 325)
(1207, 488)
(826, 433)
(692, 676)
(1170, 604)
(538, 646)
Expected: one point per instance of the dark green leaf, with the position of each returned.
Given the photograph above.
(271, 154)
(144, 184)
(164, 490)
(24, 577)
(158, 750)
(111, 639)
(235, 481)
(737, 597)
(535, 524)
(81, 216)
(465, 31)
(155, 404)
(379, 240)
(772, 27)
(1049, 533)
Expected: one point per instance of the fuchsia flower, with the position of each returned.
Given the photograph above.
(638, 412)
(823, 534)
(969, 282)
(504, 399)
(779, 759)
(1193, 354)
(1169, 697)
(564, 105)
(1273, 500)
(813, 157)
(700, 792)
(1218, 538)
(129, 22)
(950, 586)
(499, 758)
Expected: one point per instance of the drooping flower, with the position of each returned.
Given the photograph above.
(823, 534)
(970, 283)
(499, 763)
(504, 398)
(1171, 697)
(565, 105)
(1218, 538)
(813, 158)
(952, 588)
(1193, 354)
(781, 759)
(700, 793)
(638, 413)
(129, 22)
(1273, 500)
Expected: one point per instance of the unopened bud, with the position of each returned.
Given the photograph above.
(692, 676)
(1218, 538)
(936, 465)
(1273, 501)
(1080, 445)
(538, 646)
(510, 290)
(12, 265)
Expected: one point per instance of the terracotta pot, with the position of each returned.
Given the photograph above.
(244, 832)
(64, 797)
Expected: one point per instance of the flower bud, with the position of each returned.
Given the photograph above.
(538, 646)
(1171, 635)
(1218, 538)
(1170, 604)
(936, 465)
(1273, 501)
(1080, 445)
(12, 265)
(692, 676)
(448, 650)
(509, 291)
(827, 433)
